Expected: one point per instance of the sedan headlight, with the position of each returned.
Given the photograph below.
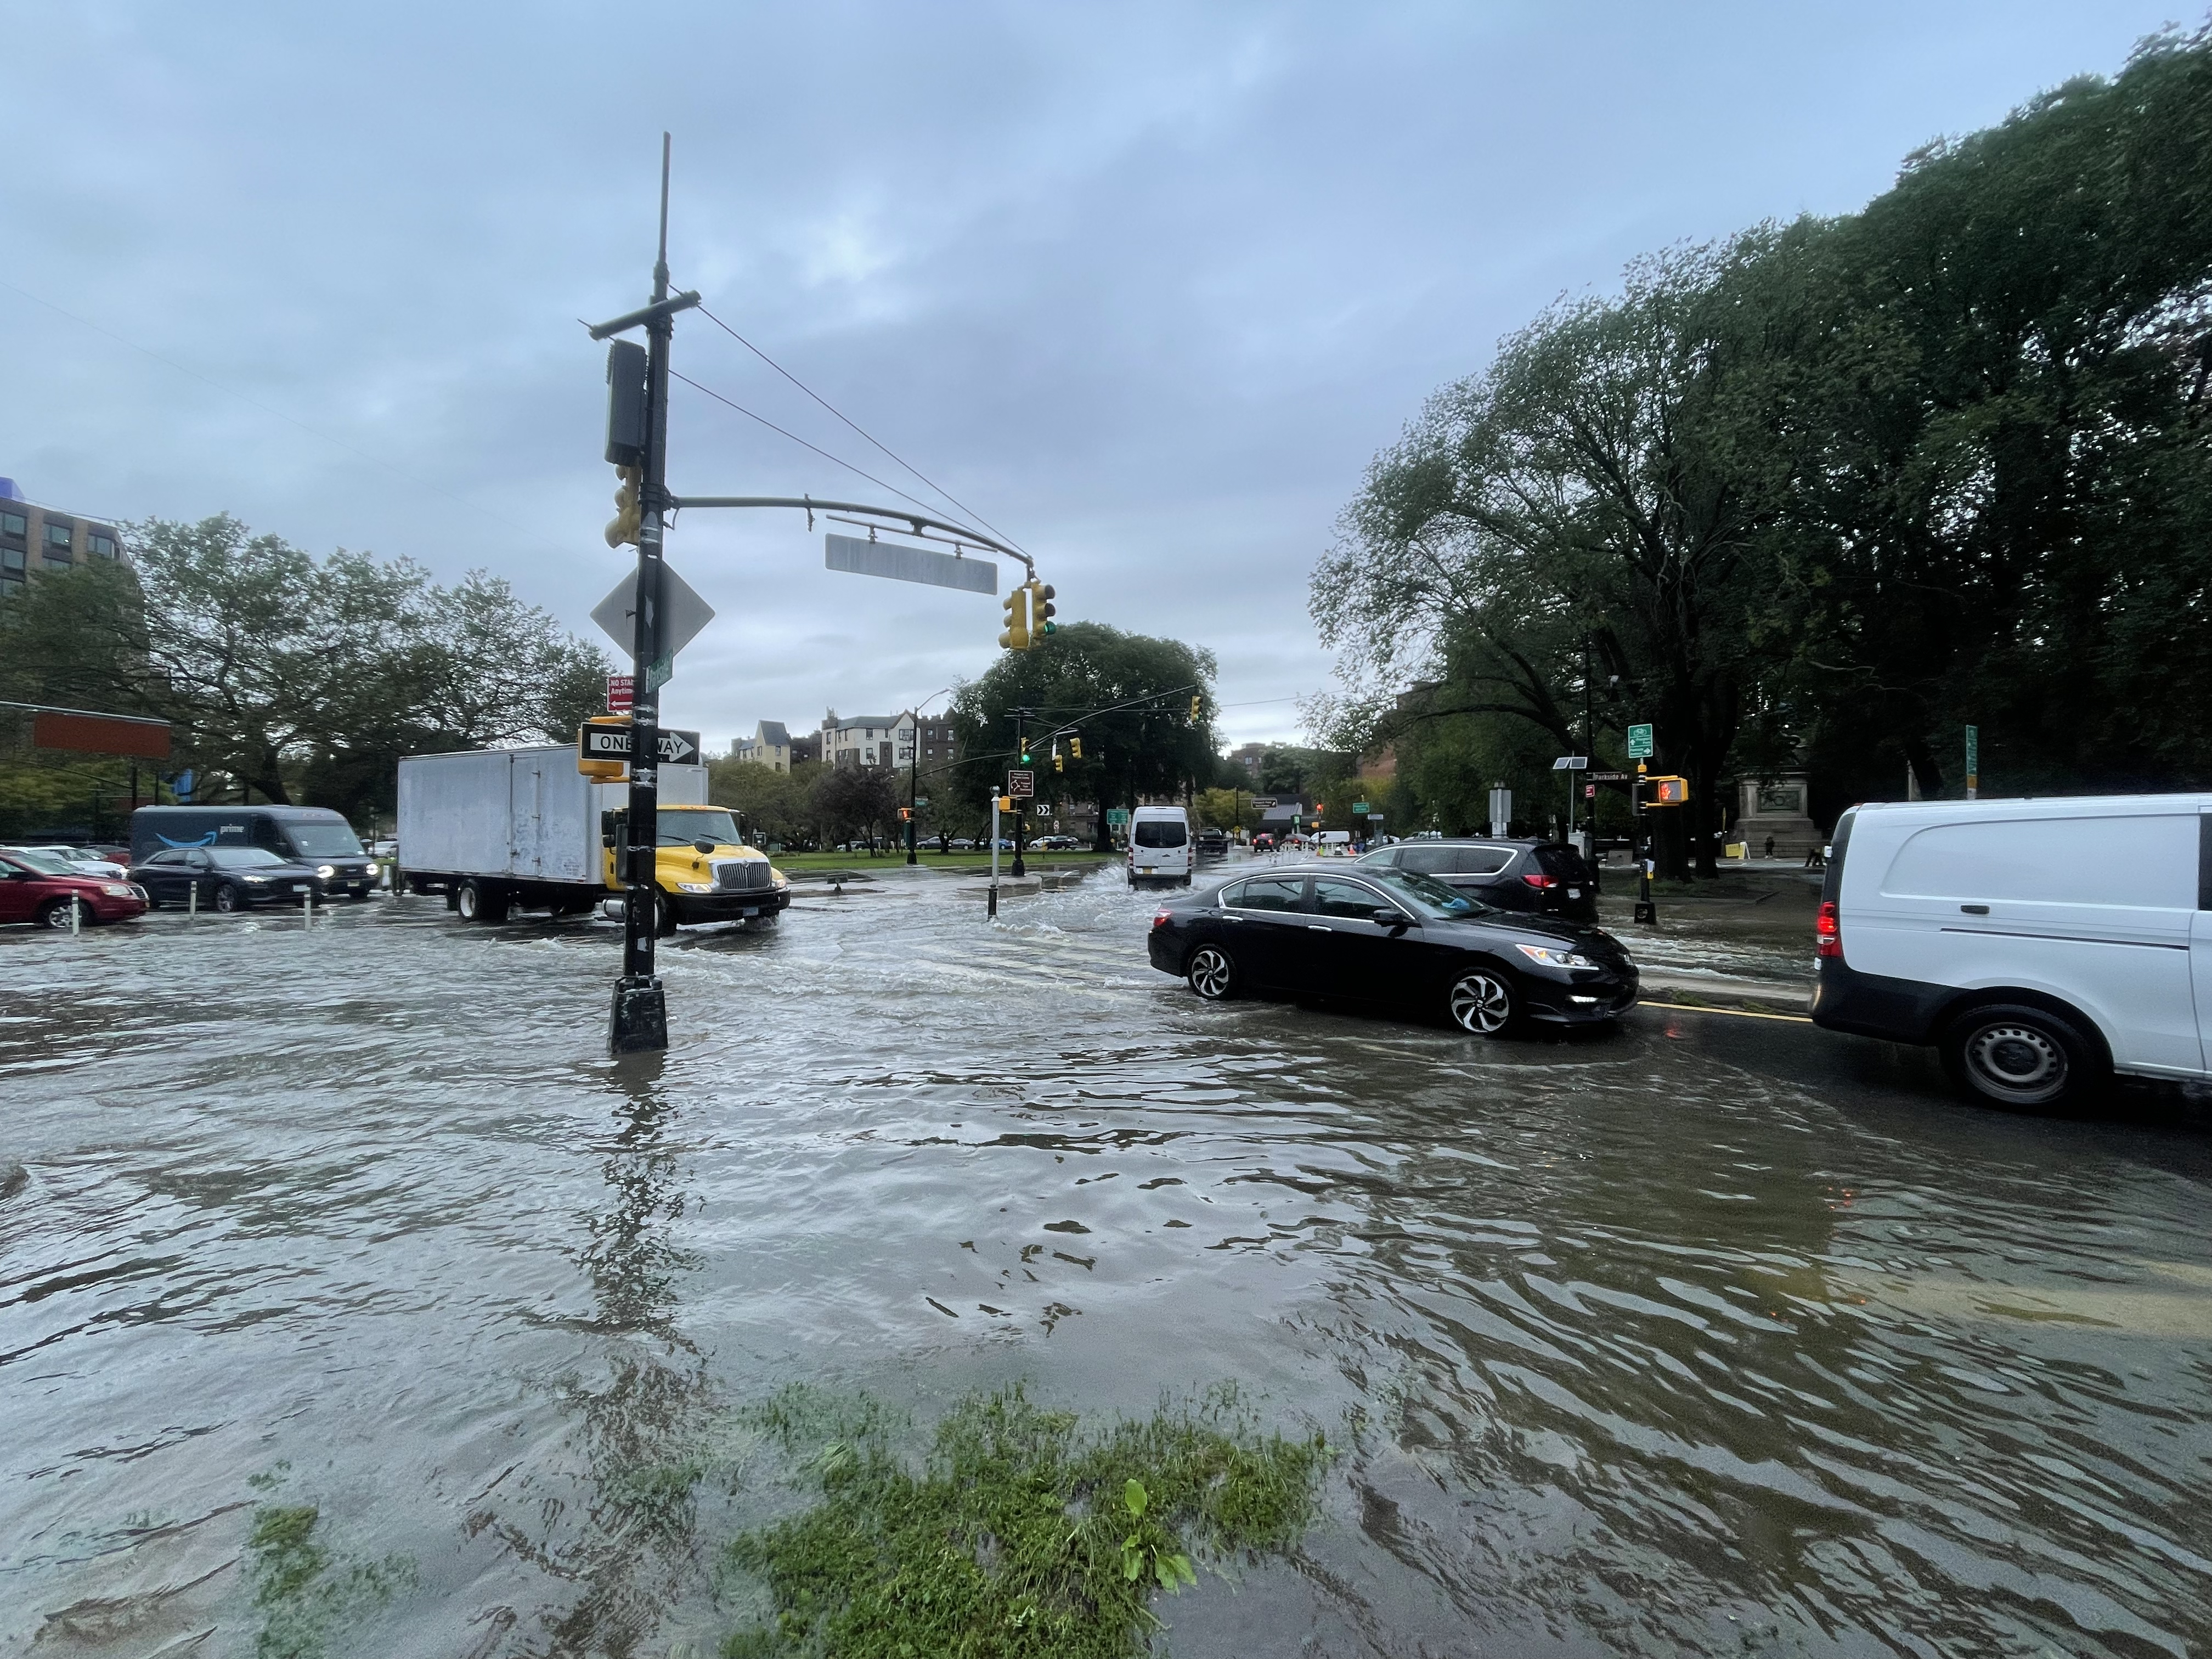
(257, 879)
(1551, 959)
(326, 871)
(119, 889)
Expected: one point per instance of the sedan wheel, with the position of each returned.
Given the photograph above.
(57, 914)
(1483, 1002)
(228, 899)
(1210, 972)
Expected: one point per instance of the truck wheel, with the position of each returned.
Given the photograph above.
(480, 902)
(2022, 1057)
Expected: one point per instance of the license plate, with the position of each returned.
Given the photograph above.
(749, 910)
(1574, 892)
(299, 886)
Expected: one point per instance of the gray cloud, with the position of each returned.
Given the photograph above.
(1147, 286)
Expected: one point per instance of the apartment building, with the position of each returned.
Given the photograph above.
(859, 740)
(38, 538)
(770, 746)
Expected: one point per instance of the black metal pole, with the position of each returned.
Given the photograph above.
(913, 788)
(1020, 802)
(640, 1020)
(1647, 913)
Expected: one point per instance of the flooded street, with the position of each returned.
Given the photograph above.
(1715, 1335)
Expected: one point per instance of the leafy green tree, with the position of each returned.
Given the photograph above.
(1127, 695)
(850, 802)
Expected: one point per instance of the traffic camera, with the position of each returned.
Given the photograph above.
(1016, 635)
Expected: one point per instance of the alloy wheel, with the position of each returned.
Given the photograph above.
(1210, 972)
(1482, 1003)
(227, 898)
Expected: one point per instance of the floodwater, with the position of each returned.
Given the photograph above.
(1714, 1336)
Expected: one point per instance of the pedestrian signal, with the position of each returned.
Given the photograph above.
(906, 815)
(1668, 791)
(1042, 610)
(1016, 635)
(1005, 803)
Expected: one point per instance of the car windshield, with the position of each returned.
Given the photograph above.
(1429, 896)
(238, 858)
(324, 840)
(1157, 832)
(46, 864)
(682, 829)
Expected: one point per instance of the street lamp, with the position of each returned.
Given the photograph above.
(914, 775)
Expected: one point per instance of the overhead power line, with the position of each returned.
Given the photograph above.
(862, 430)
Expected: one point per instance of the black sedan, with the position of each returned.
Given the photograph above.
(228, 877)
(1547, 876)
(1396, 938)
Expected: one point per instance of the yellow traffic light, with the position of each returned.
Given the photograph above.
(1005, 803)
(1075, 747)
(1042, 610)
(628, 522)
(1058, 765)
(1016, 635)
(1197, 706)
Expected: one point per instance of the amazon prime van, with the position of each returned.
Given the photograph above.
(2040, 945)
(313, 836)
(1159, 845)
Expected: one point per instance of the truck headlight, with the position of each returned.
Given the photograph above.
(1551, 959)
(696, 886)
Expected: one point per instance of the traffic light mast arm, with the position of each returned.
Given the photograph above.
(812, 504)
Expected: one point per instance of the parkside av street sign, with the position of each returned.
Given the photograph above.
(612, 742)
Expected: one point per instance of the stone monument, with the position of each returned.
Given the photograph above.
(1774, 806)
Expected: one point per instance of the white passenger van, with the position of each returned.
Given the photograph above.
(1159, 845)
(2041, 945)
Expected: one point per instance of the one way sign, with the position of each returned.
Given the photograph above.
(612, 742)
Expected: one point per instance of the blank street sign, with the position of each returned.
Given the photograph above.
(911, 564)
(686, 614)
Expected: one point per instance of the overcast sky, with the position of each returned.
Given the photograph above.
(1145, 286)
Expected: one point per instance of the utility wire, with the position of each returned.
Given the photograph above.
(925, 506)
(862, 430)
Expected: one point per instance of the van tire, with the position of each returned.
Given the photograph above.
(2024, 1058)
(480, 901)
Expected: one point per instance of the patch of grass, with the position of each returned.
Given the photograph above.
(302, 1590)
(1023, 1534)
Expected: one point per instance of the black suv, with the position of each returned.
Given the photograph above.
(1546, 877)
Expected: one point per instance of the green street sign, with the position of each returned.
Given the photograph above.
(1116, 816)
(1359, 807)
(921, 800)
(1639, 743)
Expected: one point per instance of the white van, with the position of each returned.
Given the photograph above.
(2042, 944)
(1159, 845)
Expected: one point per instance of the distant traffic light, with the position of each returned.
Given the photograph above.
(1042, 610)
(1058, 765)
(1075, 747)
(627, 522)
(1016, 635)
(1197, 705)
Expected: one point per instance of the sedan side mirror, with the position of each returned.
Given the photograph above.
(1388, 916)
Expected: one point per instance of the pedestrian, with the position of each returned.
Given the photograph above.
(1770, 846)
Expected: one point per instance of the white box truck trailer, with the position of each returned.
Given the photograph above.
(497, 829)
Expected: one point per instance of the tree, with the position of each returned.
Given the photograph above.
(1129, 696)
(852, 801)
(775, 806)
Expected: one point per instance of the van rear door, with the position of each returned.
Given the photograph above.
(2095, 908)
(2200, 936)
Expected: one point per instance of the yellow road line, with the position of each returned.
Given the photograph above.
(1740, 1013)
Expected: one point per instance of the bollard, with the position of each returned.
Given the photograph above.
(192, 903)
(76, 916)
(308, 908)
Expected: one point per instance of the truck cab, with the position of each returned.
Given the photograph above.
(702, 866)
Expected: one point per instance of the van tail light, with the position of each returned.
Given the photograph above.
(1828, 933)
(1542, 880)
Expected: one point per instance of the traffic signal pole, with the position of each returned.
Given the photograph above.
(1647, 913)
(639, 1022)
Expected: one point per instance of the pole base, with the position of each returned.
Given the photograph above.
(1647, 914)
(638, 1023)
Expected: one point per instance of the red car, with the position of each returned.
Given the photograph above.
(37, 887)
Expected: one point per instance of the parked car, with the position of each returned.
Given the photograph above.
(963, 843)
(228, 878)
(85, 861)
(1159, 845)
(1546, 876)
(2041, 945)
(1395, 938)
(37, 887)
